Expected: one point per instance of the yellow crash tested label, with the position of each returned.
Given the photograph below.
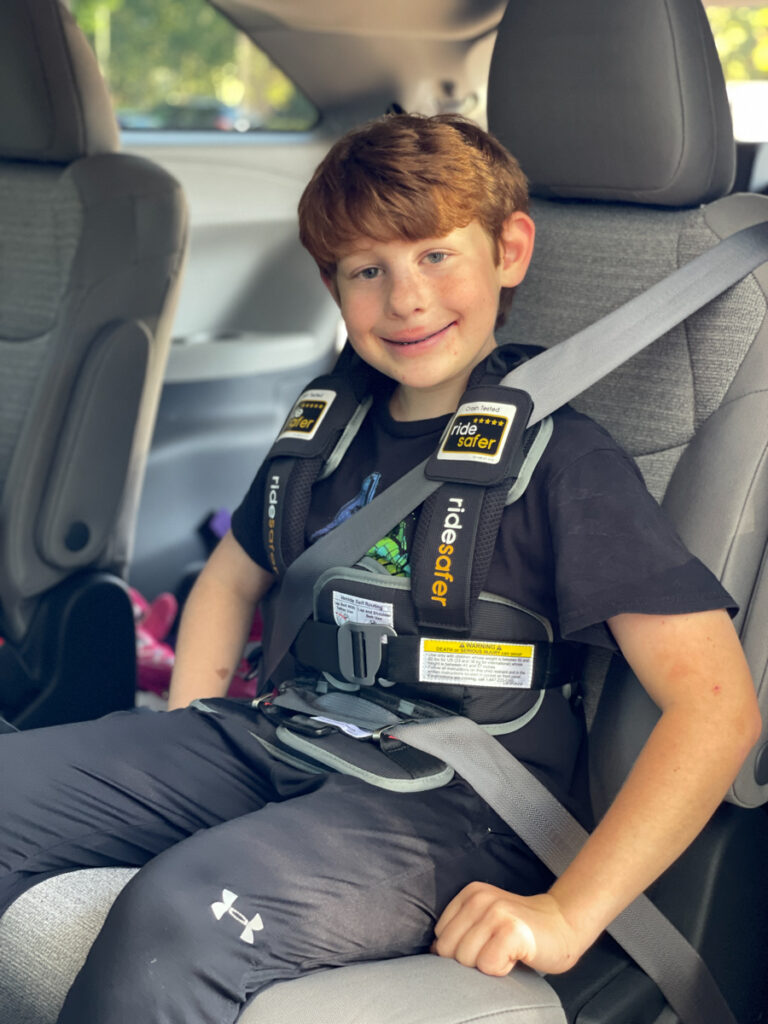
(476, 663)
(307, 414)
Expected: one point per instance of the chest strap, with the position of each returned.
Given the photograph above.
(369, 653)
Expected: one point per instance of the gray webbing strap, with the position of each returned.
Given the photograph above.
(558, 374)
(555, 836)
(551, 378)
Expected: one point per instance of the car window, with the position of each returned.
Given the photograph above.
(741, 37)
(180, 65)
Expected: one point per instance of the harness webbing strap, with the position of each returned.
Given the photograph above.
(555, 836)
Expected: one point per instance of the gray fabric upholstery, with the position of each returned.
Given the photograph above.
(616, 101)
(682, 377)
(54, 924)
(91, 248)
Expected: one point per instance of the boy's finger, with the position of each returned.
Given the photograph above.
(450, 912)
(509, 942)
(464, 944)
(473, 899)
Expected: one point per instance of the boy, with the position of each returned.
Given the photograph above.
(261, 864)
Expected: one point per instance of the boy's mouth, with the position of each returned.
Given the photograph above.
(407, 338)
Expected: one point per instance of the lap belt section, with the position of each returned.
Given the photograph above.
(555, 836)
(368, 653)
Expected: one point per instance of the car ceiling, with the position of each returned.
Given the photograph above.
(354, 59)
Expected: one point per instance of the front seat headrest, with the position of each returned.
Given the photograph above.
(55, 106)
(619, 100)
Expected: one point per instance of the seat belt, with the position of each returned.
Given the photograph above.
(555, 836)
(551, 379)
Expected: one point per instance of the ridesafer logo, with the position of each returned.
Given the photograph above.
(307, 414)
(477, 432)
(442, 575)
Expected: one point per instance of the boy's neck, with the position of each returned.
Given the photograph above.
(409, 404)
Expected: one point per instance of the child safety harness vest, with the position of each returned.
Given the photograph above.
(437, 640)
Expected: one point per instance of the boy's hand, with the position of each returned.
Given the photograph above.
(491, 929)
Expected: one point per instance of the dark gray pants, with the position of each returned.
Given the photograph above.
(253, 871)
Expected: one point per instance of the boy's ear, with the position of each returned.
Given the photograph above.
(330, 284)
(515, 248)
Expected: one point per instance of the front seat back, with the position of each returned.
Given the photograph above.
(91, 248)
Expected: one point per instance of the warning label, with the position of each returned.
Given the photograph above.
(476, 663)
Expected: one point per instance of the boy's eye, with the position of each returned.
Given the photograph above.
(368, 273)
(436, 257)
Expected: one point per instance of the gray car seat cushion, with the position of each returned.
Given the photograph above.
(53, 925)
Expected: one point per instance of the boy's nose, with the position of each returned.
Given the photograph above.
(406, 294)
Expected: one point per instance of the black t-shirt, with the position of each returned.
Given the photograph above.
(586, 540)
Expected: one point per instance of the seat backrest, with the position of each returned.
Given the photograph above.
(91, 248)
(618, 114)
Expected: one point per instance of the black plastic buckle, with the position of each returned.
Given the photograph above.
(360, 650)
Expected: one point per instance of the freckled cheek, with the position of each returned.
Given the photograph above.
(467, 298)
(359, 316)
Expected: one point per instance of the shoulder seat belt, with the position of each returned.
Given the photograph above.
(550, 380)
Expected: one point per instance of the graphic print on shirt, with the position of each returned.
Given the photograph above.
(365, 495)
(391, 551)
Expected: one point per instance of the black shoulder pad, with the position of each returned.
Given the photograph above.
(483, 442)
(316, 419)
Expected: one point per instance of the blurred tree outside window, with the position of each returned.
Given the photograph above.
(741, 37)
(180, 65)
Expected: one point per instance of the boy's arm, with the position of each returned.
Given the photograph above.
(694, 669)
(215, 624)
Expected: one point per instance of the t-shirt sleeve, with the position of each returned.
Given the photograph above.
(247, 521)
(616, 551)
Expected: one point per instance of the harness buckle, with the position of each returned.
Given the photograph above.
(360, 650)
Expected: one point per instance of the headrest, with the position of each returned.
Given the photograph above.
(55, 104)
(619, 100)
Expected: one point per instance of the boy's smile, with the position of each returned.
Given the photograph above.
(423, 312)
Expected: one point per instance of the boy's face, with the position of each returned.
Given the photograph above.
(424, 312)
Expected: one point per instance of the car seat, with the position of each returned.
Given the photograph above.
(618, 113)
(91, 248)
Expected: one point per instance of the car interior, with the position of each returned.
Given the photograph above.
(158, 316)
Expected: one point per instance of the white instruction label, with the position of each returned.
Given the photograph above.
(349, 608)
(476, 663)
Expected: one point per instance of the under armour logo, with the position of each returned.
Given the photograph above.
(227, 906)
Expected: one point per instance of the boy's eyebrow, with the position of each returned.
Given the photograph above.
(353, 254)
(367, 246)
